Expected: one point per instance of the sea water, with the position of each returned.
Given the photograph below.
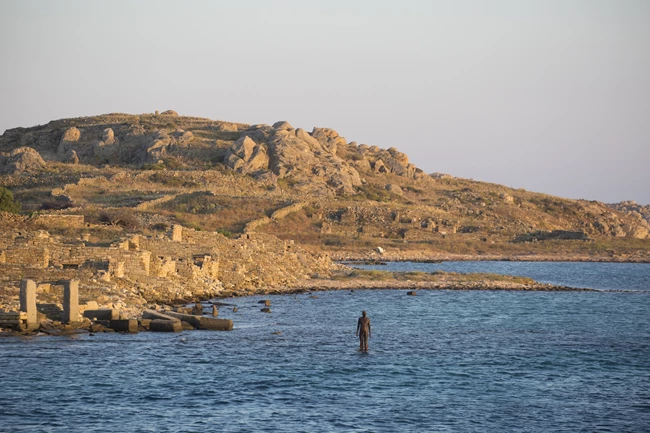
(441, 361)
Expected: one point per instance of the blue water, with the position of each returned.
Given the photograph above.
(603, 276)
(441, 361)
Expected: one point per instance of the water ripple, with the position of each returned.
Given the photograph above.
(446, 361)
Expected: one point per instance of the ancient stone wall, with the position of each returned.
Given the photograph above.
(53, 220)
(143, 268)
(27, 255)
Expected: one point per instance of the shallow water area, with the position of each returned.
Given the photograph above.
(591, 275)
(443, 361)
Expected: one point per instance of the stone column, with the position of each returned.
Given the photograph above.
(28, 301)
(71, 301)
(177, 233)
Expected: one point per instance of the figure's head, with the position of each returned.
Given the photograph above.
(363, 313)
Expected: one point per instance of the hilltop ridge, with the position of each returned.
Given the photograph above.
(348, 199)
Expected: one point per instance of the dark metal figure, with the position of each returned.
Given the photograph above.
(364, 332)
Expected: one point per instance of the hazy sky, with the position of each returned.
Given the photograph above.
(548, 95)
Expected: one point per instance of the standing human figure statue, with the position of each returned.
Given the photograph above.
(364, 332)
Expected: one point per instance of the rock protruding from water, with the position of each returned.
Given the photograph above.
(160, 325)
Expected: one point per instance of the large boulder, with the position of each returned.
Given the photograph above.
(328, 138)
(311, 165)
(638, 232)
(394, 189)
(71, 134)
(282, 125)
(157, 150)
(390, 161)
(21, 160)
(105, 151)
(109, 136)
(246, 156)
(68, 140)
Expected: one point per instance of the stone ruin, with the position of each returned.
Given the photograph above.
(136, 270)
(27, 317)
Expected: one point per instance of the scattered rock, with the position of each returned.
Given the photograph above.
(282, 125)
(507, 198)
(109, 136)
(265, 310)
(394, 189)
(71, 134)
(73, 159)
(441, 176)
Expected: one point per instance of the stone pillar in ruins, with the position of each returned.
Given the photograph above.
(28, 301)
(177, 233)
(71, 301)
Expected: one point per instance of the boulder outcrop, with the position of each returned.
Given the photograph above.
(69, 138)
(21, 160)
(296, 154)
(328, 138)
(246, 156)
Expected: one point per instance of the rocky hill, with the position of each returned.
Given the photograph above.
(148, 172)
(632, 208)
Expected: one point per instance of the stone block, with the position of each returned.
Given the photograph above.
(161, 325)
(91, 305)
(128, 325)
(186, 326)
(155, 315)
(107, 314)
(201, 322)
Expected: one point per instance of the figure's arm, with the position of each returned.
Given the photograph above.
(369, 330)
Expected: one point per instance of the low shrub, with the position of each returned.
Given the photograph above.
(7, 201)
(122, 217)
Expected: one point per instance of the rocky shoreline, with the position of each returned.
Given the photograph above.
(180, 315)
(427, 257)
(360, 284)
